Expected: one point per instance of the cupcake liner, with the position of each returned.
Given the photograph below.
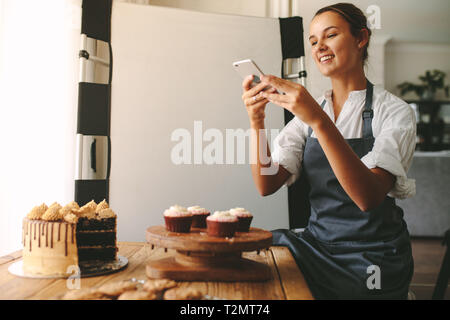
(199, 220)
(221, 228)
(244, 224)
(178, 224)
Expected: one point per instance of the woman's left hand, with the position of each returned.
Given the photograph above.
(296, 99)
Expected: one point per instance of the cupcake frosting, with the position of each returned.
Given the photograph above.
(240, 212)
(177, 211)
(225, 216)
(197, 210)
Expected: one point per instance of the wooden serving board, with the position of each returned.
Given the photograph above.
(205, 258)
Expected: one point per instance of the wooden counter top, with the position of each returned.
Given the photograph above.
(287, 282)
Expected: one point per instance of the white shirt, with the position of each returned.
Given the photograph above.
(393, 126)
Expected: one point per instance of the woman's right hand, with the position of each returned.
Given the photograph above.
(254, 102)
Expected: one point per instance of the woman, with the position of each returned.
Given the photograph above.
(354, 145)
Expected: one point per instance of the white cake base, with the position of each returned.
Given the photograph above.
(88, 269)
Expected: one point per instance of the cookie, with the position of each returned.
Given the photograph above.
(158, 285)
(137, 295)
(183, 294)
(116, 288)
(83, 294)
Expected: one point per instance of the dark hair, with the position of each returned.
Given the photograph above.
(355, 18)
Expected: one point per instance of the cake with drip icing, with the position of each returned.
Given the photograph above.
(56, 238)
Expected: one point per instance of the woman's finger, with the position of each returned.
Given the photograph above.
(259, 105)
(278, 83)
(252, 100)
(255, 90)
(276, 97)
(246, 84)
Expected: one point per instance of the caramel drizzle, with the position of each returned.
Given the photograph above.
(24, 232)
(43, 230)
(51, 237)
(67, 228)
(30, 235)
(46, 235)
(39, 241)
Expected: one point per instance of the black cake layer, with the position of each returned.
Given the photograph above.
(96, 253)
(95, 238)
(96, 224)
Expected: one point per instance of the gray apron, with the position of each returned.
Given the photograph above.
(345, 253)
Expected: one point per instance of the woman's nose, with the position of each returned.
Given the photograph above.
(321, 45)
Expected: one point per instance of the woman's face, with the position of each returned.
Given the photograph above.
(334, 49)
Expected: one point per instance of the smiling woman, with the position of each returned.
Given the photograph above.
(352, 147)
(356, 22)
(38, 76)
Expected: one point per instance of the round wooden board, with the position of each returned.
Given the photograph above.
(198, 241)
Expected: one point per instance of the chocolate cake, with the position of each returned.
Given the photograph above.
(56, 238)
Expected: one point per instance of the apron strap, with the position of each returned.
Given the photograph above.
(367, 113)
(309, 128)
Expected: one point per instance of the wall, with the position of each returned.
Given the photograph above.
(405, 61)
(237, 7)
(162, 91)
(316, 83)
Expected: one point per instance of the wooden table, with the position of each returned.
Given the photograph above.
(287, 281)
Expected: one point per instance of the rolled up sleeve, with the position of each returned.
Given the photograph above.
(288, 148)
(393, 149)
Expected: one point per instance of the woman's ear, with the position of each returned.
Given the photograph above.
(363, 38)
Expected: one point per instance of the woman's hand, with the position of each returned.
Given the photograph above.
(254, 102)
(296, 99)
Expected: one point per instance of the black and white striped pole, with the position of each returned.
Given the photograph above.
(93, 147)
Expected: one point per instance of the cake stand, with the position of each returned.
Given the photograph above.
(204, 258)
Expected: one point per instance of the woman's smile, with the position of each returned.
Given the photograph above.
(325, 59)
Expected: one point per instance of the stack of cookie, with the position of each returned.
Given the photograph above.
(155, 289)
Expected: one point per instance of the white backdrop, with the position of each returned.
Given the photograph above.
(172, 68)
(39, 41)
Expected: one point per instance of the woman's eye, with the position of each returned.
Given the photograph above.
(331, 35)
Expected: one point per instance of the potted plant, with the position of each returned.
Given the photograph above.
(431, 81)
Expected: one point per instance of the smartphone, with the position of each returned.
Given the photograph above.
(248, 67)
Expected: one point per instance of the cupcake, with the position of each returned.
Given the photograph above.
(244, 217)
(198, 216)
(178, 219)
(221, 224)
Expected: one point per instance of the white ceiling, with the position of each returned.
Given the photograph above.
(404, 20)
